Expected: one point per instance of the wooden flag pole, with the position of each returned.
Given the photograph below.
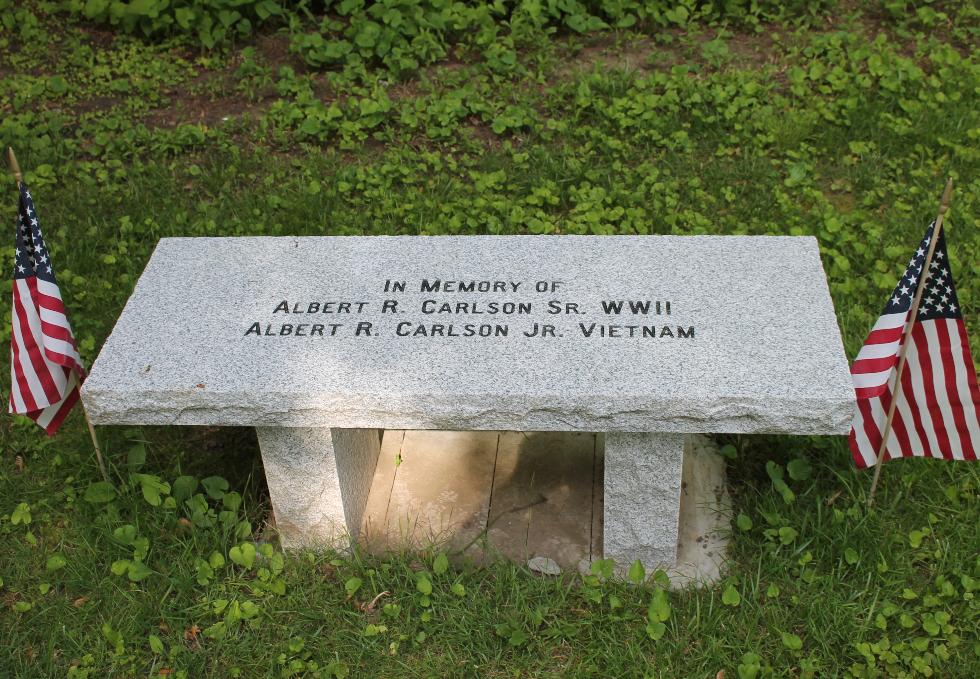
(19, 178)
(14, 167)
(95, 441)
(913, 316)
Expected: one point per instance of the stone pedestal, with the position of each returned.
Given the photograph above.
(319, 479)
(641, 503)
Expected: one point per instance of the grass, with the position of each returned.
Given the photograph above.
(841, 125)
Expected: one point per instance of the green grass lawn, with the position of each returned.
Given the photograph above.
(839, 120)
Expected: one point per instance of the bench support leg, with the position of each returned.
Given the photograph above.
(642, 498)
(319, 480)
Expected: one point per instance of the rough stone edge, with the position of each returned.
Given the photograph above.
(803, 416)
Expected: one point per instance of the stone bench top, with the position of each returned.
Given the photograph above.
(574, 333)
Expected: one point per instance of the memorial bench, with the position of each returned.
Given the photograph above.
(322, 342)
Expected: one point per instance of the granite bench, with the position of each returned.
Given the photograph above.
(322, 342)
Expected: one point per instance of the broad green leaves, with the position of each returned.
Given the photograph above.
(799, 469)
(138, 571)
(21, 514)
(516, 636)
(243, 554)
(215, 486)
(100, 492)
(152, 487)
(57, 85)
(183, 488)
(637, 573)
(134, 570)
(658, 613)
(56, 562)
(212, 22)
(787, 535)
(792, 641)
(659, 606)
(775, 473)
(917, 536)
(125, 534)
(731, 597)
(750, 666)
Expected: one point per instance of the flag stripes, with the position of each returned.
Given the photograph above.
(878, 356)
(942, 385)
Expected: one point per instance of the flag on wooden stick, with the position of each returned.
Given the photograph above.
(937, 402)
(46, 370)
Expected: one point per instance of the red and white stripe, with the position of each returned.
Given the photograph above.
(874, 363)
(938, 409)
(45, 367)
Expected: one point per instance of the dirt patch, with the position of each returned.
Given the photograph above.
(753, 49)
(95, 104)
(408, 89)
(323, 90)
(202, 110)
(96, 36)
(209, 99)
(213, 97)
(482, 133)
(676, 47)
(606, 54)
(273, 48)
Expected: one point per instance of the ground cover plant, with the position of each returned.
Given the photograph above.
(143, 119)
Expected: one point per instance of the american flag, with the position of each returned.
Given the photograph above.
(938, 404)
(45, 367)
